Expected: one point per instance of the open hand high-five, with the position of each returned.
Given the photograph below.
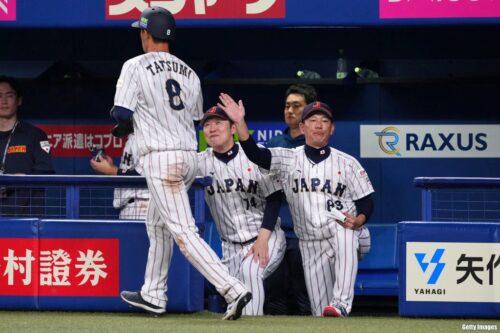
(235, 111)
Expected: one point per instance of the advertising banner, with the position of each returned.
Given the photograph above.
(261, 132)
(76, 140)
(439, 8)
(449, 269)
(452, 272)
(199, 9)
(430, 141)
(7, 10)
(59, 267)
(250, 13)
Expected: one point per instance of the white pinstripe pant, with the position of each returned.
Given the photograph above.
(250, 272)
(169, 175)
(330, 268)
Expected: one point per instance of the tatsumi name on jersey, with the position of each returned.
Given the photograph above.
(231, 185)
(170, 66)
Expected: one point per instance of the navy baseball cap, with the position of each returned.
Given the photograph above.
(316, 107)
(214, 112)
(158, 21)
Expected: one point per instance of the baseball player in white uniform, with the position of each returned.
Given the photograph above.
(237, 199)
(132, 202)
(163, 97)
(317, 180)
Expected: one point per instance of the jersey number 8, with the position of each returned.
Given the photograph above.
(174, 94)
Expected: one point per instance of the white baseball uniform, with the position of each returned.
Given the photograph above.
(165, 95)
(329, 251)
(237, 198)
(132, 202)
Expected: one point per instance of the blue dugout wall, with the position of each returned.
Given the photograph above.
(431, 74)
(396, 197)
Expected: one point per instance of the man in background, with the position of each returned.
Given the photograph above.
(24, 149)
(132, 202)
(286, 292)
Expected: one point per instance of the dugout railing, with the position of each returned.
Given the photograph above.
(76, 196)
(470, 199)
(71, 252)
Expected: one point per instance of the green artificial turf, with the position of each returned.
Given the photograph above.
(69, 322)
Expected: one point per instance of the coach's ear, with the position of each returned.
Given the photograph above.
(333, 128)
(233, 128)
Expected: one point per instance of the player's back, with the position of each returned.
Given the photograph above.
(168, 100)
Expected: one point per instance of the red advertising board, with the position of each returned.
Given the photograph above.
(198, 9)
(74, 140)
(59, 267)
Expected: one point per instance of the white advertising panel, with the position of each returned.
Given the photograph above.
(452, 272)
(430, 141)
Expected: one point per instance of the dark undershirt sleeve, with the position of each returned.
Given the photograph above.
(260, 156)
(365, 206)
(272, 210)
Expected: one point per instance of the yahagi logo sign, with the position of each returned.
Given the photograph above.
(452, 272)
(430, 141)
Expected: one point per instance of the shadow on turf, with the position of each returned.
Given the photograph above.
(375, 306)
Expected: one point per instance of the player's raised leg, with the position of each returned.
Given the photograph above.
(167, 186)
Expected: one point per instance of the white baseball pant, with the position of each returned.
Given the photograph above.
(250, 272)
(169, 175)
(330, 267)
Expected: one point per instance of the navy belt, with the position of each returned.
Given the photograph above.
(240, 243)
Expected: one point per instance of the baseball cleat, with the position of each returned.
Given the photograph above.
(235, 308)
(334, 311)
(134, 298)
